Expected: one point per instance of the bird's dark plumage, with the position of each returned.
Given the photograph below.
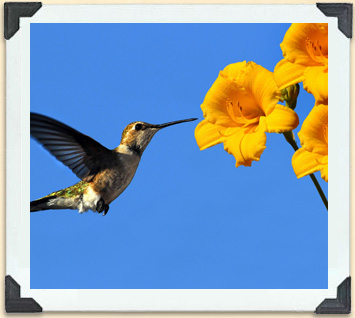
(77, 151)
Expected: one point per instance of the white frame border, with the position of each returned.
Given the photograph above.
(18, 165)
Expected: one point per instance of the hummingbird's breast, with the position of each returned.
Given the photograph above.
(111, 182)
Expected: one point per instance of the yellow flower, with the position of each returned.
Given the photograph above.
(305, 51)
(313, 155)
(239, 108)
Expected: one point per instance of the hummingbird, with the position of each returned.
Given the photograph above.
(104, 173)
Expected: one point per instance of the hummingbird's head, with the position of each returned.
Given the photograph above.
(137, 135)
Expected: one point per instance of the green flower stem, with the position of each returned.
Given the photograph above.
(320, 191)
(291, 140)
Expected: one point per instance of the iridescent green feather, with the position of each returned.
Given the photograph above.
(70, 192)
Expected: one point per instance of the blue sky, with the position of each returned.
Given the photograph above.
(189, 219)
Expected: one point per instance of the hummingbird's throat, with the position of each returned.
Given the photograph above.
(136, 141)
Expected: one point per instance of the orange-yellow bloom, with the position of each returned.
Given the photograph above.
(305, 51)
(313, 156)
(239, 108)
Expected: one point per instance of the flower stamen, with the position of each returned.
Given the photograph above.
(314, 50)
(239, 118)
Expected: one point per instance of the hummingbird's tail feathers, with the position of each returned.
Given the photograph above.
(53, 202)
(41, 204)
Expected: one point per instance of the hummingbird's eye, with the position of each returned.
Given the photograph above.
(138, 127)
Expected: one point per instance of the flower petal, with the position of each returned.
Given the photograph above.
(281, 119)
(235, 70)
(208, 135)
(247, 146)
(258, 82)
(324, 170)
(299, 39)
(305, 163)
(287, 74)
(214, 106)
(314, 132)
(316, 83)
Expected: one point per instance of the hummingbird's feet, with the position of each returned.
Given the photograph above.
(106, 209)
(102, 207)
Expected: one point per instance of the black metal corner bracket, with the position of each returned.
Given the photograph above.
(344, 13)
(13, 301)
(339, 305)
(13, 11)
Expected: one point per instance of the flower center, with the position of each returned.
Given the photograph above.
(314, 50)
(236, 114)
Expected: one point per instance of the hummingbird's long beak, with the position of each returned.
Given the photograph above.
(172, 123)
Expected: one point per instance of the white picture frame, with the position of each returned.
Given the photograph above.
(18, 168)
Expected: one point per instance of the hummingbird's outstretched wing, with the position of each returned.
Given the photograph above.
(82, 154)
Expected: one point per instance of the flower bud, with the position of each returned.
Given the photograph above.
(290, 95)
